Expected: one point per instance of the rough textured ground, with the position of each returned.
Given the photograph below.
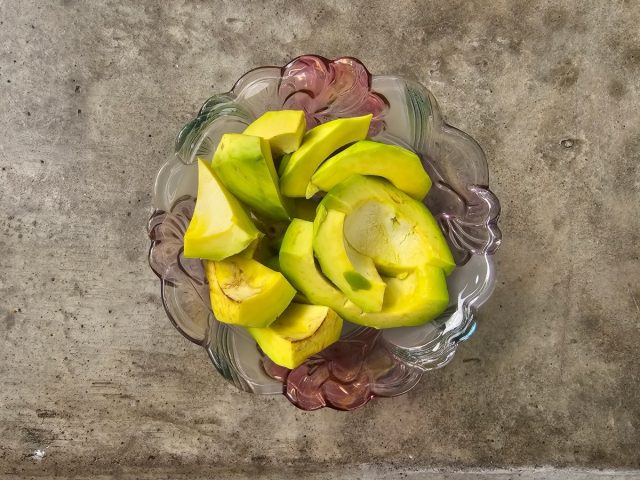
(94, 377)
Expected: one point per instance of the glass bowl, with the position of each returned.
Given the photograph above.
(365, 363)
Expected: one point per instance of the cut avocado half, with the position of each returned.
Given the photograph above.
(353, 273)
(300, 332)
(385, 224)
(245, 165)
(283, 129)
(400, 166)
(219, 227)
(416, 298)
(317, 144)
(245, 292)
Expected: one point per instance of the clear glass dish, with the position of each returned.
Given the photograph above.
(365, 363)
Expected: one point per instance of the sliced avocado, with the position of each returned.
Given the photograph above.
(245, 292)
(300, 332)
(400, 166)
(353, 273)
(219, 227)
(298, 265)
(317, 144)
(245, 166)
(379, 216)
(419, 296)
(411, 300)
(283, 129)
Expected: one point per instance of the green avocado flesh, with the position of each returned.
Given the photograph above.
(415, 298)
(219, 227)
(290, 265)
(317, 144)
(283, 129)
(379, 215)
(400, 166)
(245, 165)
(245, 292)
(353, 273)
(300, 332)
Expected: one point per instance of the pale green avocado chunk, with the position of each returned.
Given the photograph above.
(283, 129)
(416, 298)
(219, 227)
(300, 332)
(245, 292)
(387, 225)
(317, 144)
(400, 166)
(245, 165)
(353, 273)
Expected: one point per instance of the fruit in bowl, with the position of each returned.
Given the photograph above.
(312, 238)
(381, 254)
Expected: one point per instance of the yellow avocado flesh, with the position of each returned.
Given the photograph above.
(219, 227)
(298, 265)
(400, 166)
(416, 298)
(399, 221)
(389, 238)
(300, 332)
(283, 129)
(353, 273)
(317, 144)
(245, 292)
(245, 165)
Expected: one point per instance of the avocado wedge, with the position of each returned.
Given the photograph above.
(283, 129)
(245, 292)
(353, 273)
(317, 144)
(245, 165)
(400, 166)
(219, 227)
(300, 332)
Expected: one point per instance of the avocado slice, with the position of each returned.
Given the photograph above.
(300, 332)
(317, 144)
(219, 227)
(245, 292)
(400, 166)
(245, 165)
(298, 265)
(415, 298)
(387, 225)
(283, 129)
(353, 273)
(410, 300)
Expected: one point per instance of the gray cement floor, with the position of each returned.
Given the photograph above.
(93, 379)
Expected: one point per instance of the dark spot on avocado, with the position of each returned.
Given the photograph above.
(357, 281)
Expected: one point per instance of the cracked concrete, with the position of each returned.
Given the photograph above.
(94, 380)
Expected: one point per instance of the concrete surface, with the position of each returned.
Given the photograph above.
(94, 380)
